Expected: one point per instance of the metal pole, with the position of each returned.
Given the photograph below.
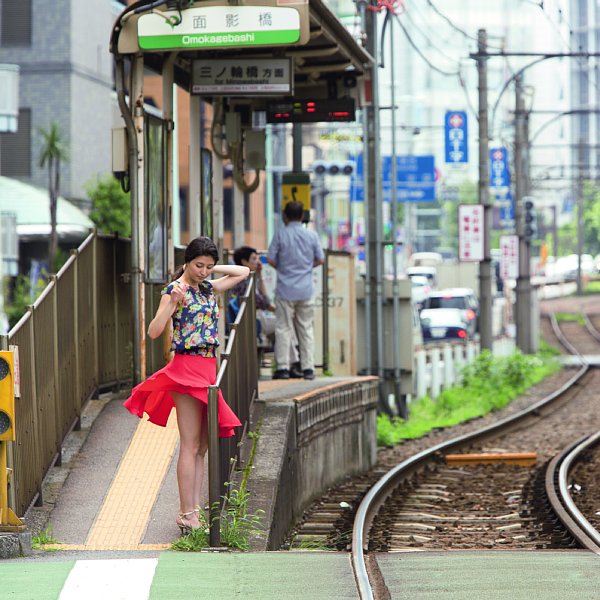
(168, 113)
(485, 266)
(214, 472)
(127, 113)
(523, 279)
(362, 7)
(297, 147)
(395, 289)
(579, 200)
(269, 192)
(325, 308)
(374, 213)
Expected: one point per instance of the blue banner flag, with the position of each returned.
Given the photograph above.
(456, 137)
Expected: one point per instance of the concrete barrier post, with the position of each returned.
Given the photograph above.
(436, 379)
(421, 360)
(470, 352)
(448, 366)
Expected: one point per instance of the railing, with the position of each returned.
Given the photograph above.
(238, 380)
(439, 367)
(74, 341)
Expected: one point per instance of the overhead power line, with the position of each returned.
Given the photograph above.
(418, 51)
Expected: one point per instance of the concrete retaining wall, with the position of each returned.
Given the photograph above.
(307, 444)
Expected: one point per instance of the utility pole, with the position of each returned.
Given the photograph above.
(485, 266)
(373, 246)
(400, 402)
(523, 306)
(579, 191)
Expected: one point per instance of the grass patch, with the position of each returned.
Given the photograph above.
(592, 287)
(570, 317)
(237, 523)
(43, 538)
(489, 383)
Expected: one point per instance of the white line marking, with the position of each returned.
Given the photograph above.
(117, 579)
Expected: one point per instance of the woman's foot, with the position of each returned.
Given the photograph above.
(187, 521)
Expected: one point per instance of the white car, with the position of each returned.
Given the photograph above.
(420, 289)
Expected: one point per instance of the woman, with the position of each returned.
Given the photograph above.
(190, 301)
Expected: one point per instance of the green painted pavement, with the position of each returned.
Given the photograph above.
(33, 581)
(262, 576)
(496, 575)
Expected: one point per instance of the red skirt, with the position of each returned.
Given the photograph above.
(185, 374)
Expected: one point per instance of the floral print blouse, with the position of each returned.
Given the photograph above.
(195, 321)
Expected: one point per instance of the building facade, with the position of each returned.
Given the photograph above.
(62, 50)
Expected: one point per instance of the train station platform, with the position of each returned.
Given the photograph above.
(116, 489)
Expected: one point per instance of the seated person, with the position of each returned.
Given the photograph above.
(265, 309)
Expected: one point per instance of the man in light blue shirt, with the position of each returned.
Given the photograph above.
(294, 252)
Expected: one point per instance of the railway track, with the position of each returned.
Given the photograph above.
(425, 502)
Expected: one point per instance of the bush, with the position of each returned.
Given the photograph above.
(489, 383)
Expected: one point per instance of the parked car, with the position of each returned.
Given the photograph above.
(443, 324)
(420, 289)
(461, 298)
(425, 259)
(429, 272)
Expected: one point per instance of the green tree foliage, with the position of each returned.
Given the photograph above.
(111, 209)
(23, 294)
(591, 218)
(52, 153)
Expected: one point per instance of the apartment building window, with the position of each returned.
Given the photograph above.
(15, 148)
(15, 19)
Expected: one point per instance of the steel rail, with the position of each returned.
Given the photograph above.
(590, 327)
(378, 494)
(557, 489)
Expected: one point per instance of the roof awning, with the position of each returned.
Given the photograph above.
(326, 65)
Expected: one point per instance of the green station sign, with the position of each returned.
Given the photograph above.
(219, 27)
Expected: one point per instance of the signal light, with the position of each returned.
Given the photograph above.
(7, 397)
(324, 167)
(529, 219)
(470, 315)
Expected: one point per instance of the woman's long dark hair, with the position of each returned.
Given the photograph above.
(200, 246)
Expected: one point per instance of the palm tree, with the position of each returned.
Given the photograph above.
(52, 152)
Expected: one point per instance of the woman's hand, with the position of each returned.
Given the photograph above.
(178, 291)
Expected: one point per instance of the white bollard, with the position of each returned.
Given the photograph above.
(470, 352)
(459, 359)
(421, 360)
(448, 366)
(436, 378)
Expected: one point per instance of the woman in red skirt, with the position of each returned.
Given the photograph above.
(190, 302)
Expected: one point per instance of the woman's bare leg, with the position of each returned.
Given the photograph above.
(191, 445)
(201, 458)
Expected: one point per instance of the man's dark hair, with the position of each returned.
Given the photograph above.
(243, 253)
(294, 211)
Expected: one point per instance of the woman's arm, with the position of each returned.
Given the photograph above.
(232, 275)
(166, 308)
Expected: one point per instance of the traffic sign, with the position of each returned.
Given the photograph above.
(415, 179)
(456, 137)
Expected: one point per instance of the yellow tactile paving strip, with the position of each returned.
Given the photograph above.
(123, 517)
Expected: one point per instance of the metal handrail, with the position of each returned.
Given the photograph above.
(215, 483)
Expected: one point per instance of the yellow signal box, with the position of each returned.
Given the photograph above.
(8, 519)
(7, 397)
(296, 188)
